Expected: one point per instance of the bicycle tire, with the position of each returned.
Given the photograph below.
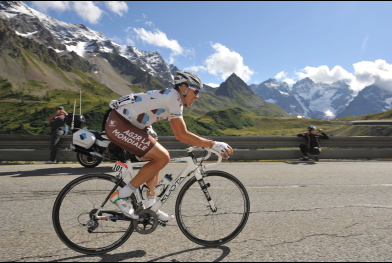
(73, 208)
(88, 161)
(195, 218)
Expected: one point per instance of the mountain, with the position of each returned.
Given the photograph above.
(371, 99)
(320, 100)
(278, 93)
(39, 55)
(307, 98)
(241, 94)
(66, 37)
(45, 62)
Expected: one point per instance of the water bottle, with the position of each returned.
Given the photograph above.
(167, 179)
(162, 184)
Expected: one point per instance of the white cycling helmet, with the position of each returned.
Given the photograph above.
(187, 77)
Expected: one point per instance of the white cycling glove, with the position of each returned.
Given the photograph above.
(220, 147)
(151, 131)
(114, 104)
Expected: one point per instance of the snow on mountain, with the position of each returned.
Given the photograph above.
(278, 93)
(62, 36)
(321, 100)
(371, 99)
(304, 98)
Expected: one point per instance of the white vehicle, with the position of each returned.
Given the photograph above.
(92, 147)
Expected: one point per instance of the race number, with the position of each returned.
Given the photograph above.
(119, 167)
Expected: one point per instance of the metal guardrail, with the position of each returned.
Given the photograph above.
(239, 142)
(371, 122)
(37, 147)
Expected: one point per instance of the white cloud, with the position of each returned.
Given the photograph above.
(159, 39)
(195, 68)
(118, 7)
(149, 23)
(366, 73)
(378, 72)
(225, 62)
(213, 85)
(324, 75)
(280, 75)
(88, 11)
(44, 6)
(289, 81)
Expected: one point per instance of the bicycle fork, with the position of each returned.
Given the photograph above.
(204, 187)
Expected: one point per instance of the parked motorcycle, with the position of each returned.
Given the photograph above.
(93, 147)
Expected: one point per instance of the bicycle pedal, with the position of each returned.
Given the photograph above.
(162, 223)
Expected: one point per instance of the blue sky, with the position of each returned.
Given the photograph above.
(324, 40)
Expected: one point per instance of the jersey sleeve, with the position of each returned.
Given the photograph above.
(175, 106)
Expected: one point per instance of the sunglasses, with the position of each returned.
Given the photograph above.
(196, 91)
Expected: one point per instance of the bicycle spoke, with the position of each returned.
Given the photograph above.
(83, 227)
(74, 220)
(205, 227)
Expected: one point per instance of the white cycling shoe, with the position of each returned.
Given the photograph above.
(125, 205)
(163, 216)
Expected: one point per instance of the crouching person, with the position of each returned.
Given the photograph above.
(312, 145)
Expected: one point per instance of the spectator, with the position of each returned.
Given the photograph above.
(312, 145)
(57, 124)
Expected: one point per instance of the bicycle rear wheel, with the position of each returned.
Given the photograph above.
(195, 218)
(73, 217)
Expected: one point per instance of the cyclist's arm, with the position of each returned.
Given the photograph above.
(183, 135)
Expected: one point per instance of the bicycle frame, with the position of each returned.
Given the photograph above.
(191, 167)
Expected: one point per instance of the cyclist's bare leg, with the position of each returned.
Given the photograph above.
(153, 182)
(151, 185)
(159, 157)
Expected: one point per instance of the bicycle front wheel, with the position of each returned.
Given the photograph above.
(203, 226)
(74, 221)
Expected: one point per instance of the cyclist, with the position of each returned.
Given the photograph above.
(312, 145)
(126, 127)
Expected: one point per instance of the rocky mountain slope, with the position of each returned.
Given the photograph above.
(42, 67)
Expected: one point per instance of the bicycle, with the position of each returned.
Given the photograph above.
(211, 208)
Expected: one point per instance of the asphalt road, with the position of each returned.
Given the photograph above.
(327, 211)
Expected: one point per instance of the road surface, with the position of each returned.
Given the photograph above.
(324, 211)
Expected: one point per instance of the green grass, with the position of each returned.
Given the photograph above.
(277, 126)
(23, 113)
(25, 106)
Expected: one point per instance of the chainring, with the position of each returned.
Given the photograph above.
(147, 222)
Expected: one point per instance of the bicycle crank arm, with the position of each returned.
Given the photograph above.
(113, 216)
